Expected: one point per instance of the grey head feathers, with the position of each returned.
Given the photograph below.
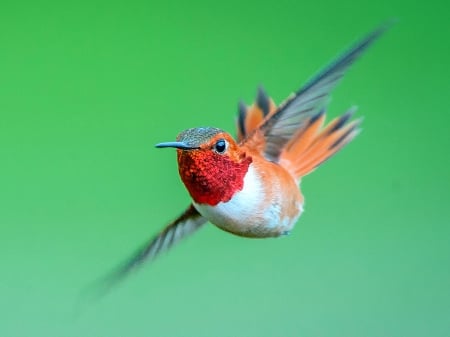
(195, 137)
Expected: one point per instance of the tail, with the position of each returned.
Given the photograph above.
(311, 145)
(314, 144)
(251, 117)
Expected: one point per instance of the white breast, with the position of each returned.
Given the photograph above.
(248, 213)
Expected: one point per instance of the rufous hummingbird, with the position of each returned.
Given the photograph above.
(250, 186)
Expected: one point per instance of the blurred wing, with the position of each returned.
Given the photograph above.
(182, 227)
(310, 99)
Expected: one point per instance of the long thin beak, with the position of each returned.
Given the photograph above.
(178, 145)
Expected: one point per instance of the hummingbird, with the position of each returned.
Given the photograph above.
(249, 186)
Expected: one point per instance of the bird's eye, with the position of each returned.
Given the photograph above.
(220, 146)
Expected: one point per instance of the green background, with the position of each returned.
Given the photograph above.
(87, 89)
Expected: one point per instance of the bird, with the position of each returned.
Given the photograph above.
(250, 186)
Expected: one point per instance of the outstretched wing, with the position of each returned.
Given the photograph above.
(307, 102)
(182, 227)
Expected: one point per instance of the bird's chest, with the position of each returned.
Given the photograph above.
(211, 180)
(258, 209)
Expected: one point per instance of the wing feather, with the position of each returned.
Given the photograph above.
(310, 99)
(186, 224)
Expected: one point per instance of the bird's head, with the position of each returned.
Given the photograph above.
(211, 164)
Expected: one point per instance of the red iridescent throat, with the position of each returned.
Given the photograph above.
(211, 178)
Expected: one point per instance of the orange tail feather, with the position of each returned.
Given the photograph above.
(250, 118)
(312, 145)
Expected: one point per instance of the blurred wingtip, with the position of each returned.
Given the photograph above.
(383, 28)
(391, 22)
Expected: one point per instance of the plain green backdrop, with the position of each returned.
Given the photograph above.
(87, 89)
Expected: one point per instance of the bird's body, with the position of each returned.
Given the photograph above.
(250, 186)
(268, 205)
(237, 189)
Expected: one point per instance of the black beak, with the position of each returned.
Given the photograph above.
(177, 145)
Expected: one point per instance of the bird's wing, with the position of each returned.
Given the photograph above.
(307, 102)
(180, 228)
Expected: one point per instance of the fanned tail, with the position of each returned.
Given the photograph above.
(313, 144)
